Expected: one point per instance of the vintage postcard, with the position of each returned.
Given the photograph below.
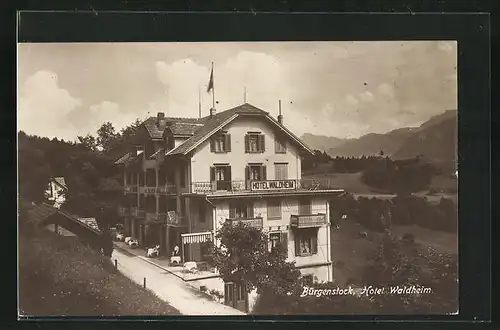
(238, 178)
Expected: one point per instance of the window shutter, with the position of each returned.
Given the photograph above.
(284, 241)
(212, 145)
(247, 144)
(285, 171)
(228, 176)
(297, 245)
(229, 293)
(314, 243)
(263, 172)
(247, 176)
(250, 210)
(212, 173)
(262, 143)
(227, 146)
(232, 211)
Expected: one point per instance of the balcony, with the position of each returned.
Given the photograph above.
(134, 211)
(170, 218)
(251, 222)
(166, 189)
(131, 189)
(308, 221)
(212, 187)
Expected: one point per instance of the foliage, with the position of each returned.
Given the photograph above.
(106, 136)
(243, 256)
(58, 276)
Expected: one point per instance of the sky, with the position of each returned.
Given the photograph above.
(341, 89)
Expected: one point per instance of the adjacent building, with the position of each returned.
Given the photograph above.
(56, 191)
(184, 177)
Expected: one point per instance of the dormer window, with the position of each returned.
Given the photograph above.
(255, 142)
(220, 143)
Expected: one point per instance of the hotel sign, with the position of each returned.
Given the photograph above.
(270, 185)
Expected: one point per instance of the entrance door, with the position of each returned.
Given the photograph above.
(235, 295)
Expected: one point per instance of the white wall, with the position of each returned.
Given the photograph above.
(289, 206)
(56, 194)
(238, 159)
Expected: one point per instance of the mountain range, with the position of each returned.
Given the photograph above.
(435, 139)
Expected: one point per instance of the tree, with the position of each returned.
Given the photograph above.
(129, 131)
(243, 256)
(106, 136)
(88, 141)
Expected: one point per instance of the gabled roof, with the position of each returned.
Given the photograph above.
(123, 159)
(156, 129)
(183, 128)
(60, 182)
(219, 120)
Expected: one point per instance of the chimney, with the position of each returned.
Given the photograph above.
(160, 118)
(280, 116)
(212, 112)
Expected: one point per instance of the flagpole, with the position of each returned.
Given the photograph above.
(213, 88)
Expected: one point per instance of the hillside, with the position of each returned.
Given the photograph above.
(371, 144)
(321, 142)
(60, 276)
(435, 140)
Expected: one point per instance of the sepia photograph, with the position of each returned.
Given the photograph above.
(237, 178)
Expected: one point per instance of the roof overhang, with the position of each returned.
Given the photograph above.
(260, 194)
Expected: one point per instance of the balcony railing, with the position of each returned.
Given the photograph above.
(208, 187)
(170, 218)
(134, 211)
(160, 190)
(307, 221)
(131, 189)
(251, 222)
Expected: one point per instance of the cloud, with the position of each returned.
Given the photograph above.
(262, 75)
(43, 106)
(351, 100)
(366, 96)
(108, 111)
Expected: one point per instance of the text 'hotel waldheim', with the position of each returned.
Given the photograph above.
(184, 177)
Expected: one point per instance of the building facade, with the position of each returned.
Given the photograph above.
(184, 178)
(55, 191)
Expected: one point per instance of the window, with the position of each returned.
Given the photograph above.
(305, 207)
(279, 145)
(202, 212)
(273, 209)
(150, 178)
(306, 242)
(277, 239)
(241, 210)
(254, 143)
(220, 143)
(281, 171)
(141, 178)
(220, 176)
(255, 172)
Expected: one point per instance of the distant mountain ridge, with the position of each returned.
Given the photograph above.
(435, 139)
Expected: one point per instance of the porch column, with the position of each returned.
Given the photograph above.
(187, 212)
(156, 194)
(124, 177)
(137, 184)
(328, 241)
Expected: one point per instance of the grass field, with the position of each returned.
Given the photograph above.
(58, 276)
(350, 251)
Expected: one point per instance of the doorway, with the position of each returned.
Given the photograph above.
(235, 295)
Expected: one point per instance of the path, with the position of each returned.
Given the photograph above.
(170, 288)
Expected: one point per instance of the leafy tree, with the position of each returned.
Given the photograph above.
(129, 131)
(88, 141)
(106, 136)
(243, 256)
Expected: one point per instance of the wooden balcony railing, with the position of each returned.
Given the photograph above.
(210, 187)
(251, 222)
(170, 218)
(308, 221)
(131, 189)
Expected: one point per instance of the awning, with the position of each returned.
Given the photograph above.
(196, 237)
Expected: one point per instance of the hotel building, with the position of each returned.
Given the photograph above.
(184, 177)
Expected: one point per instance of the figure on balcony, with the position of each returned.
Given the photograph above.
(175, 253)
